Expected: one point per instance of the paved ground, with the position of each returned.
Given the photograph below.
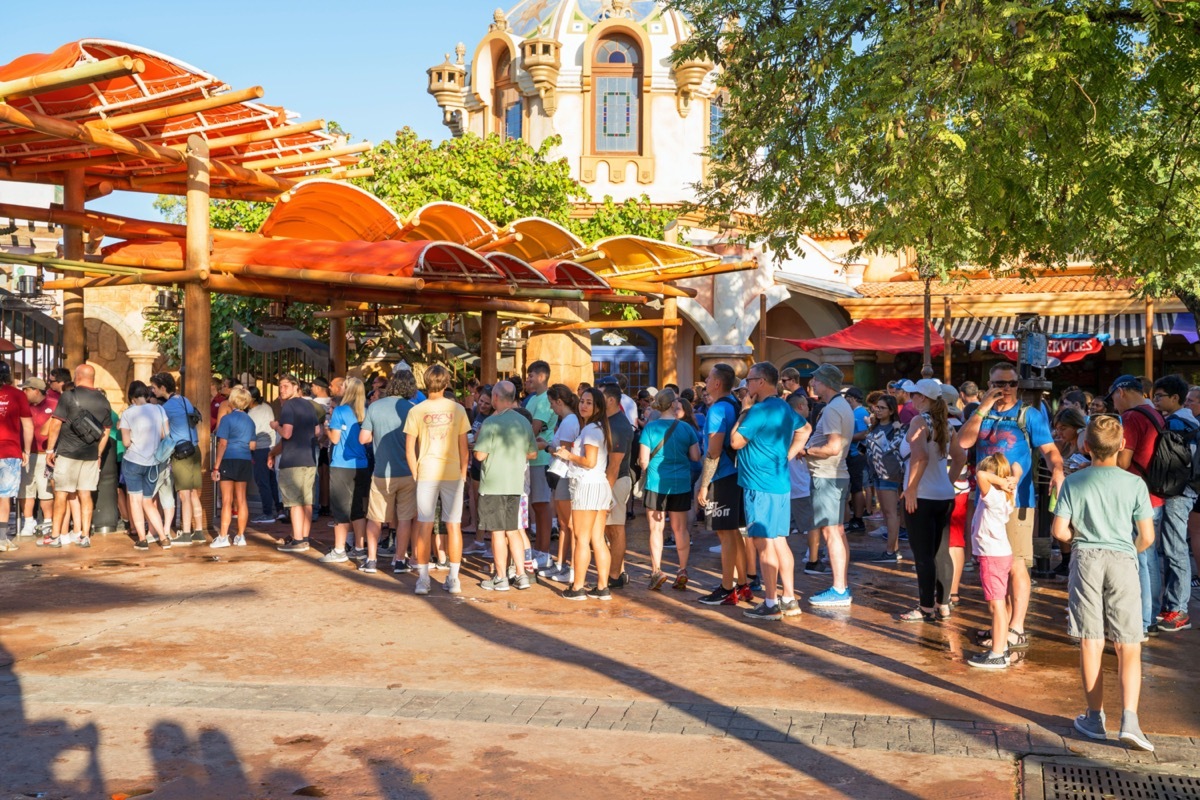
(249, 673)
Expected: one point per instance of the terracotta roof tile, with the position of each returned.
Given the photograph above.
(983, 286)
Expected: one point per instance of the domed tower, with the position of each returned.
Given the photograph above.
(598, 73)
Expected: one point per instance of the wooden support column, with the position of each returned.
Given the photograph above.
(337, 339)
(1150, 338)
(489, 346)
(74, 336)
(760, 348)
(197, 304)
(948, 340)
(670, 342)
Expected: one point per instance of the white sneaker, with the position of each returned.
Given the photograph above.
(716, 548)
(220, 541)
(541, 560)
(452, 585)
(422, 585)
(28, 527)
(239, 541)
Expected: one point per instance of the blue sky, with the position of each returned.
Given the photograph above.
(361, 63)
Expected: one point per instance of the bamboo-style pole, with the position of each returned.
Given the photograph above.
(98, 190)
(305, 158)
(650, 288)
(761, 353)
(611, 324)
(67, 265)
(337, 339)
(22, 170)
(81, 74)
(722, 269)
(340, 175)
(1149, 347)
(550, 293)
(144, 279)
(322, 276)
(463, 287)
(670, 342)
(197, 306)
(625, 299)
(489, 346)
(503, 241)
(124, 227)
(74, 343)
(266, 135)
(948, 340)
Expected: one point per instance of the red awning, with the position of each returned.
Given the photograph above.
(883, 335)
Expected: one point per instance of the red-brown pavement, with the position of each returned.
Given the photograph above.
(249, 672)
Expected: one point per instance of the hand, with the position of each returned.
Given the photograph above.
(274, 424)
(24, 460)
(702, 496)
(747, 402)
(1056, 481)
(563, 453)
(216, 474)
(1010, 483)
(910, 500)
(990, 397)
(270, 462)
(50, 460)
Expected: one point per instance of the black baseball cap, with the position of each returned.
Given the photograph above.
(1123, 382)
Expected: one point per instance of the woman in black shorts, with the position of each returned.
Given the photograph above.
(668, 446)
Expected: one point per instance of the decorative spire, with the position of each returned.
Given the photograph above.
(499, 21)
(460, 53)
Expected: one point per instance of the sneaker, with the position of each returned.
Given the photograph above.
(220, 541)
(422, 586)
(815, 568)
(831, 597)
(791, 608)
(182, 539)
(988, 660)
(716, 548)
(657, 579)
(1173, 621)
(670, 543)
(452, 585)
(574, 594)
(855, 526)
(598, 594)
(755, 585)
(762, 613)
(386, 549)
(1091, 726)
(549, 572)
(198, 537)
(357, 553)
(239, 540)
(1195, 582)
(165, 542)
(370, 566)
(876, 517)
(486, 555)
(564, 575)
(141, 544)
(335, 557)
(1063, 570)
(441, 566)
(522, 583)
(904, 534)
(718, 596)
(736, 597)
(28, 528)
(84, 541)
(49, 541)
(887, 557)
(283, 518)
(540, 561)
(294, 546)
(1131, 733)
(619, 582)
(681, 581)
(263, 520)
(745, 594)
(401, 567)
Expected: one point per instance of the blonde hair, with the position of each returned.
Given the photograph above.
(998, 465)
(1104, 435)
(239, 398)
(355, 396)
(664, 400)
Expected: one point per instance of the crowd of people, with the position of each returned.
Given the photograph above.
(957, 473)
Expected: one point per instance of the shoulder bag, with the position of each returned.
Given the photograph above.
(639, 488)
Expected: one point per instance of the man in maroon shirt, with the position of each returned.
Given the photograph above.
(16, 439)
(220, 393)
(35, 484)
(1142, 423)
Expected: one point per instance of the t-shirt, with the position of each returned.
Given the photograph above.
(300, 413)
(1140, 436)
(907, 412)
(71, 405)
(264, 436)
(385, 420)
(837, 417)
(237, 429)
(41, 415)
(629, 406)
(177, 408)
(594, 435)
(862, 422)
(722, 415)
(1104, 505)
(669, 470)
(14, 407)
(623, 435)
(213, 408)
(768, 429)
(145, 425)
(989, 527)
(437, 424)
(347, 453)
(799, 478)
(539, 408)
(1001, 433)
(508, 439)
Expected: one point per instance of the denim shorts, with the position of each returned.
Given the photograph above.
(887, 486)
(139, 480)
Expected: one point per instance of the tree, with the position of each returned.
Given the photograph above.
(998, 135)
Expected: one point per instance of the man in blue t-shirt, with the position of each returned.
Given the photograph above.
(393, 491)
(718, 481)
(996, 427)
(767, 436)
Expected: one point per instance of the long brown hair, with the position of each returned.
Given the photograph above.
(599, 414)
(941, 425)
(563, 394)
(688, 415)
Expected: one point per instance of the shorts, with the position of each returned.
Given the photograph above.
(858, 467)
(539, 489)
(238, 470)
(993, 575)
(34, 481)
(296, 486)
(348, 490)
(388, 495)
(76, 475)
(802, 514)
(139, 480)
(887, 486)
(768, 515)
(1104, 596)
(958, 520)
(451, 494)
(591, 495)
(829, 496)
(727, 505)
(1020, 535)
(620, 493)
(10, 477)
(561, 490)
(186, 472)
(653, 501)
(500, 512)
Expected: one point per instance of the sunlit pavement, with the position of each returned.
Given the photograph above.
(248, 672)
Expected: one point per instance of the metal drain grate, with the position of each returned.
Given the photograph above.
(1063, 781)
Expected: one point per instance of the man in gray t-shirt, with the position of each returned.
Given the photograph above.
(393, 491)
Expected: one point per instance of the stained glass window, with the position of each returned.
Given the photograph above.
(716, 121)
(513, 119)
(617, 112)
(617, 51)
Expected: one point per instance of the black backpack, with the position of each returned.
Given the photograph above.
(1171, 468)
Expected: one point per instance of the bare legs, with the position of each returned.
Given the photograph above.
(589, 537)
(778, 564)
(839, 554)
(889, 502)
(733, 559)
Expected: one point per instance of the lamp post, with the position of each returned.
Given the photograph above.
(927, 367)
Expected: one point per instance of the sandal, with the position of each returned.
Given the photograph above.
(681, 581)
(943, 611)
(917, 615)
(1020, 643)
(954, 601)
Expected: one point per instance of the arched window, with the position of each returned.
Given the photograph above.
(617, 68)
(507, 110)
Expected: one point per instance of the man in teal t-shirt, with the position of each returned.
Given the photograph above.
(537, 381)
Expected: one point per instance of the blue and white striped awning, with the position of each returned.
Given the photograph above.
(1121, 329)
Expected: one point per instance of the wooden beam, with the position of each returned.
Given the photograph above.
(337, 339)
(949, 341)
(21, 170)
(78, 75)
(144, 279)
(1149, 351)
(611, 324)
(241, 139)
(307, 157)
(463, 287)
(643, 287)
(340, 175)
(721, 269)
(670, 342)
(496, 244)
(489, 346)
(624, 299)
(65, 265)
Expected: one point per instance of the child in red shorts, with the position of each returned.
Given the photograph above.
(997, 480)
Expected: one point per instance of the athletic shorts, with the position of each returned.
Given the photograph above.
(34, 481)
(681, 501)
(139, 480)
(296, 486)
(10, 477)
(1104, 596)
(500, 512)
(768, 515)
(802, 514)
(1020, 535)
(620, 492)
(76, 475)
(539, 489)
(348, 490)
(726, 510)
(393, 499)
(857, 464)
(451, 495)
(238, 470)
(185, 472)
(829, 496)
(993, 576)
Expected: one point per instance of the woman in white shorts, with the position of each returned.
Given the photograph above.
(565, 404)
(591, 496)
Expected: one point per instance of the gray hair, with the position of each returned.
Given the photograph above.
(504, 390)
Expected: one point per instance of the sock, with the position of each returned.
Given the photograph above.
(341, 551)
(528, 553)
(787, 600)
(454, 565)
(770, 603)
(423, 571)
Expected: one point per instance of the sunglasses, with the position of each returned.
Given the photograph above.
(1003, 384)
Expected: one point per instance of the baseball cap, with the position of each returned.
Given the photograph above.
(909, 386)
(1124, 382)
(608, 380)
(855, 392)
(928, 387)
(741, 384)
(949, 394)
(324, 384)
(34, 383)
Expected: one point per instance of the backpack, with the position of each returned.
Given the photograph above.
(1172, 464)
(883, 449)
(727, 448)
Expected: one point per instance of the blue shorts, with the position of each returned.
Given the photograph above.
(768, 516)
(10, 477)
(139, 480)
(887, 486)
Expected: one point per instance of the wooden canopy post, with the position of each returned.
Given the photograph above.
(489, 346)
(947, 341)
(337, 339)
(74, 336)
(1149, 338)
(670, 342)
(761, 348)
(197, 304)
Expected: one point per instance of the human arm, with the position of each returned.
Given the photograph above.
(26, 439)
(799, 439)
(410, 452)
(1124, 459)
(832, 446)
(1053, 459)
(968, 434)
(222, 444)
(694, 452)
(1145, 534)
(1060, 529)
(464, 455)
(643, 456)
(958, 457)
(918, 461)
(52, 430)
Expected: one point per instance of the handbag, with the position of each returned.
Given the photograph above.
(639, 488)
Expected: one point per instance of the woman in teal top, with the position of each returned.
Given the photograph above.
(349, 478)
(668, 447)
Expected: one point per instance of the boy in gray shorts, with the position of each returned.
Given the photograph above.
(1095, 511)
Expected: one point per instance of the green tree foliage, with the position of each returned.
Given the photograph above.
(1005, 135)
